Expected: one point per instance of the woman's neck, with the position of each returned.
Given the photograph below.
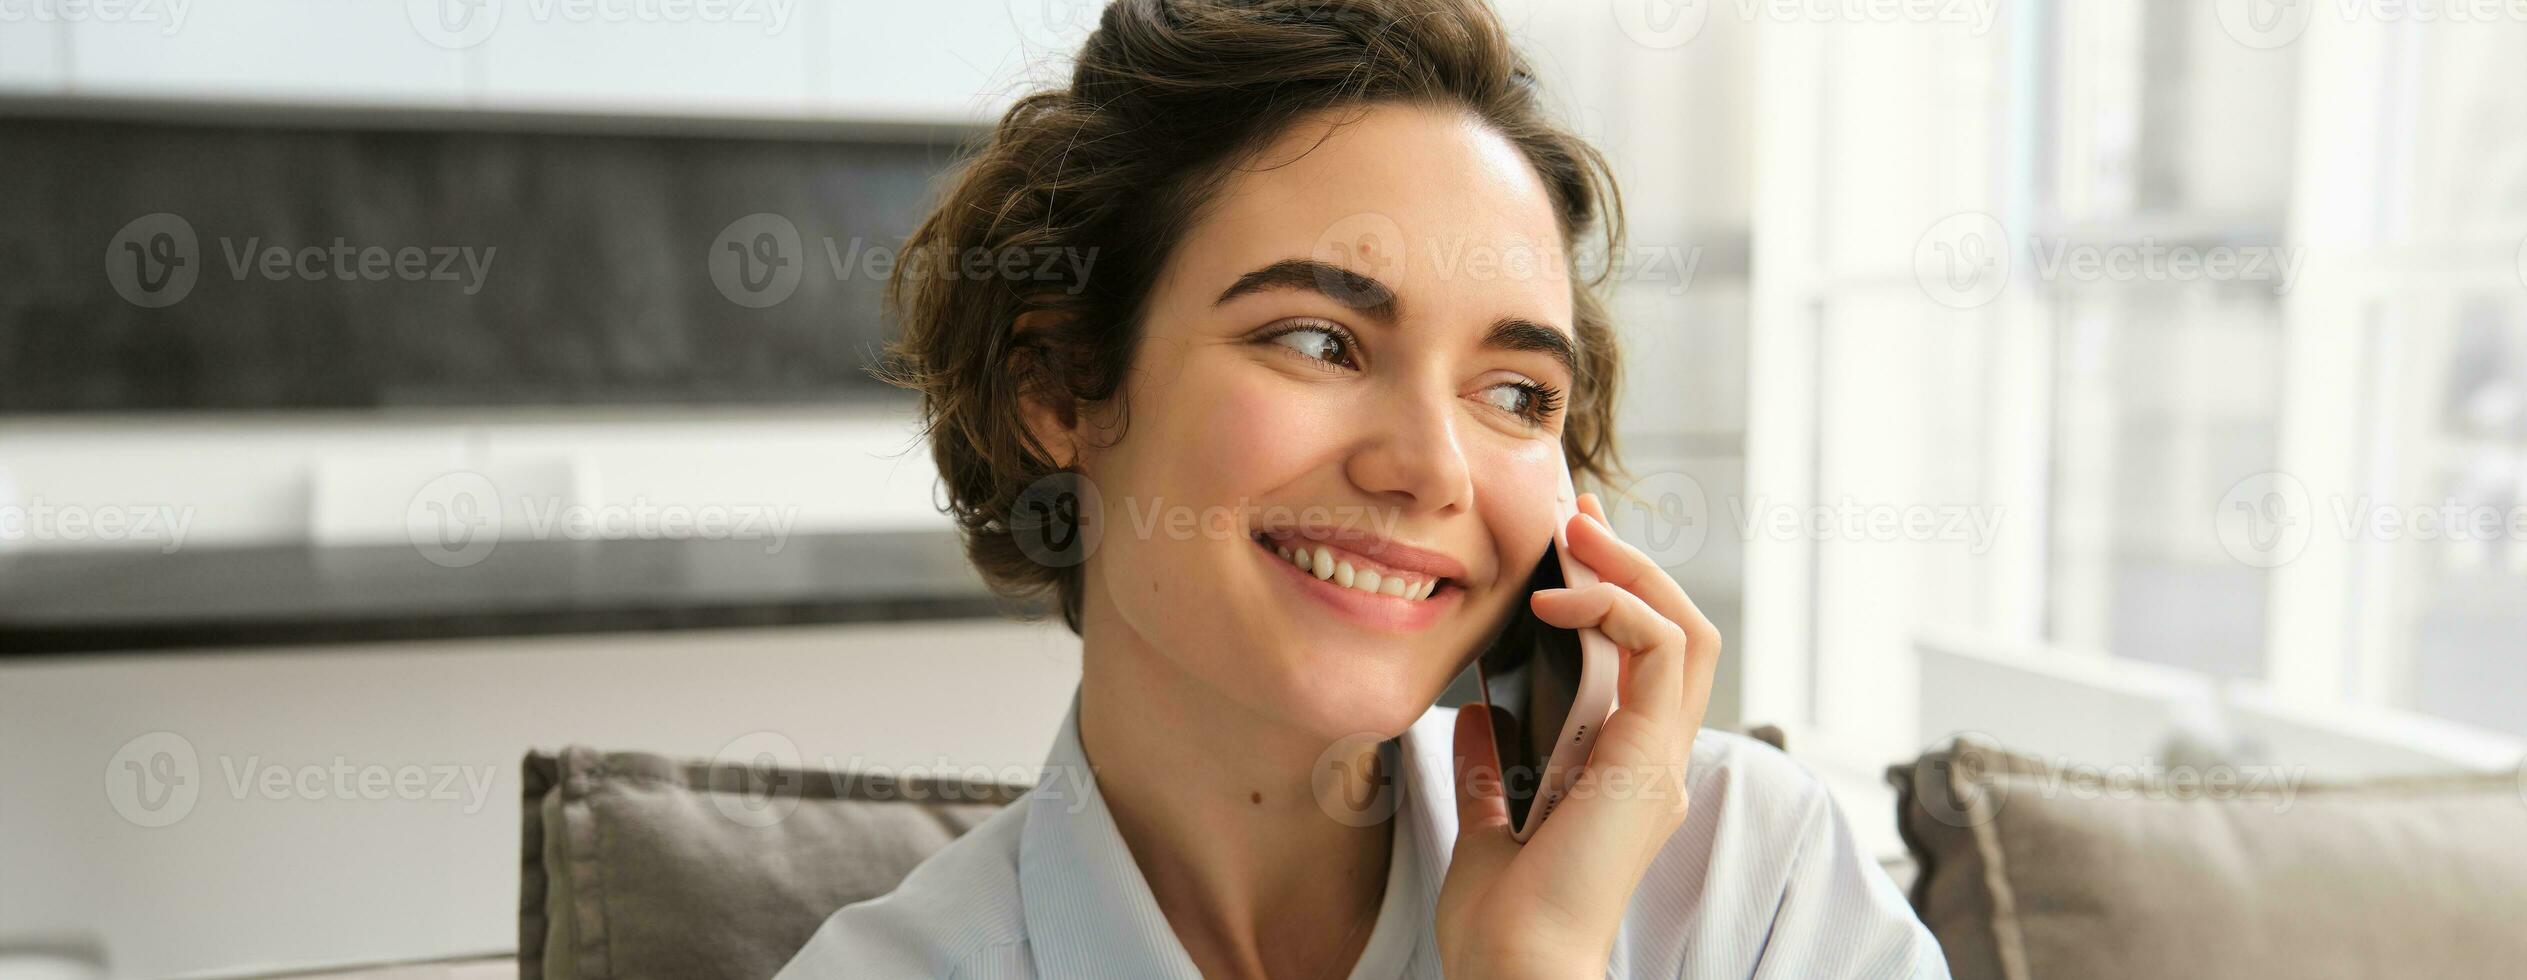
(1217, 803)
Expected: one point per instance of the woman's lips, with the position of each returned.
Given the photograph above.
(1369, 550)
(1350, 569)
(1375, 610)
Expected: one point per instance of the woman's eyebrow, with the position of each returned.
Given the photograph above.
(1515, 334)
(1334, 282)
(1370, 296)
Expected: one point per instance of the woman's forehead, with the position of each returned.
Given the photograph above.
(1430, 203)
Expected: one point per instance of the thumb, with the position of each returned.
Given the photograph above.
(1484, 836)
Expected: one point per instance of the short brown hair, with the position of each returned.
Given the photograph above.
(1166, 97)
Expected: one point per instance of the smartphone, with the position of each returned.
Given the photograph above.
(1548, 689)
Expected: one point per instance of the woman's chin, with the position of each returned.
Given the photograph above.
(1338, 702)
(1332, 684)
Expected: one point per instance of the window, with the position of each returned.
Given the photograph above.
(2250, 355)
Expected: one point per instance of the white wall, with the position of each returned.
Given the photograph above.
(939, 60)
(295, 882)
(327, 478)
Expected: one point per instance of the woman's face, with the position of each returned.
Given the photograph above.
(1363, 347)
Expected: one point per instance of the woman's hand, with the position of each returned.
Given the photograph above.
(1551, 907)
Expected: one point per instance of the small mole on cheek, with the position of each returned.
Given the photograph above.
(1256, 797)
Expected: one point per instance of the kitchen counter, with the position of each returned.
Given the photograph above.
(85, 602)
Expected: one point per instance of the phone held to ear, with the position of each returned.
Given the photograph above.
(1548, 689)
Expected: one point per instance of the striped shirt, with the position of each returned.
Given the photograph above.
(1764, 880)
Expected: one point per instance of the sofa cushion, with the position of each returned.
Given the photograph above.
(638, 866)
(2030, 870)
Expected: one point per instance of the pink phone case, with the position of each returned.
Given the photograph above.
(1599, 669)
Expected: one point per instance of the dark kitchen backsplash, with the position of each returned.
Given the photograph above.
(151, 265)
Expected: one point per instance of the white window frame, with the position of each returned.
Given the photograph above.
(2331, 676)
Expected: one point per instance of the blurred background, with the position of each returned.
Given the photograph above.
(391, 388)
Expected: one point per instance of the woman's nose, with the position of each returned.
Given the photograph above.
(1411, 455)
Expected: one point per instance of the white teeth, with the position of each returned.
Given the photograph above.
(1322, 564)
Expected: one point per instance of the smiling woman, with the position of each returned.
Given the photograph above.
(1167, 105)
(1334, 313)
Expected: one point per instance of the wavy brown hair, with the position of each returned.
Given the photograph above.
(1166, 99)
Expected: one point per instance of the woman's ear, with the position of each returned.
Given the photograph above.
(1044, 403)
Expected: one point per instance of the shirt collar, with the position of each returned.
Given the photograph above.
(1089, 912)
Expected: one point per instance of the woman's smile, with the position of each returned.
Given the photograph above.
(1401, 590)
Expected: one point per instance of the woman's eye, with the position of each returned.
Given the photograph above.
(1317, 343)
(1509, 398)
(1534, 403)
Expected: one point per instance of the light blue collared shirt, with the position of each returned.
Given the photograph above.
(1764, 880)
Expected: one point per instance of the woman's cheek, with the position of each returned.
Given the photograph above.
(1255, 434)
(1522, 484)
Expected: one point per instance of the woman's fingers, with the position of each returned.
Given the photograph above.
(1657, 647)
(1615, 560)
(1593, 507)
(1484, 838)
(1630, 796)
(1620, 564)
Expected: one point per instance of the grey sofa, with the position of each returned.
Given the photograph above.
(637, 866)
